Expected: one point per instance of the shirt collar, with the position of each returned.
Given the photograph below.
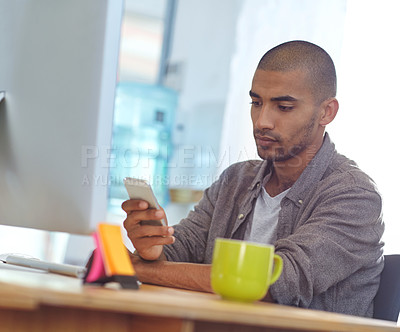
(264, 171)
(314, 171)
(311, 174)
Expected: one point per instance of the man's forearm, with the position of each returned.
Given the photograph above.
(178, 275)
(172, 274)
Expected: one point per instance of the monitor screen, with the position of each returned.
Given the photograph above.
(58, 68)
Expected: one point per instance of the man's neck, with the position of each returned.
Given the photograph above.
(285, 173)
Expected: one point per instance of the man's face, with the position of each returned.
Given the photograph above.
(285, 117)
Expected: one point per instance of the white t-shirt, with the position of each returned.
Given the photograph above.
(265, 219)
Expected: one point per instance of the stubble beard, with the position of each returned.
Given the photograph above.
(279, 154)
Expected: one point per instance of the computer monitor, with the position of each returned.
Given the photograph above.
(58, 68)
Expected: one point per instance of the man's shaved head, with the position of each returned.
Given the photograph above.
(307, 57)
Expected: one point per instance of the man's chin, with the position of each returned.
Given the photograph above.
(267, 153)
(273, 157)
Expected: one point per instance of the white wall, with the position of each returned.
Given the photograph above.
(204, 39)
(366, 128)
(203, 42)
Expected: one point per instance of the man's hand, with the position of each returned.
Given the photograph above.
(147, 240)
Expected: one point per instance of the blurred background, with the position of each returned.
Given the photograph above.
(182, 107)
(198, 58)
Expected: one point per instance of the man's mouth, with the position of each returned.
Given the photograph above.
(265, 140)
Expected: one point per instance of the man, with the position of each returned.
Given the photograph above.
(322, 213)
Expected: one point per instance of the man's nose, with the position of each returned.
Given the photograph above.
(265, 119)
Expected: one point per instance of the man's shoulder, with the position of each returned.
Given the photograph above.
(247, 165)
(243, 173)
(345, 171)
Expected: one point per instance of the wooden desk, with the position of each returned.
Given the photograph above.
(31, 301)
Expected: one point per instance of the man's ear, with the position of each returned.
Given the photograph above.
(329, 109)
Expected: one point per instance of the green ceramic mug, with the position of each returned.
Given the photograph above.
(243, 271)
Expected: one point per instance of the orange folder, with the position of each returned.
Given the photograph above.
(110, 260)
(115, 255)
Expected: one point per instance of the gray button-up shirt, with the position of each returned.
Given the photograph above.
(329, 231)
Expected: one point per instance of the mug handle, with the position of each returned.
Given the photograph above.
(278, 265)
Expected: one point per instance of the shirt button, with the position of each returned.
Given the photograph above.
(300, 201)
(241, 216)
(258, 184)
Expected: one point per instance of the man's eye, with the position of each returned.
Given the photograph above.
(285, 108)
(255, 103)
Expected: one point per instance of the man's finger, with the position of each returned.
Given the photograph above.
(133, 205)
(148, 242)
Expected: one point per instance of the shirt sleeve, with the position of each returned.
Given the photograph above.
(339, 236)
(192, 232)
